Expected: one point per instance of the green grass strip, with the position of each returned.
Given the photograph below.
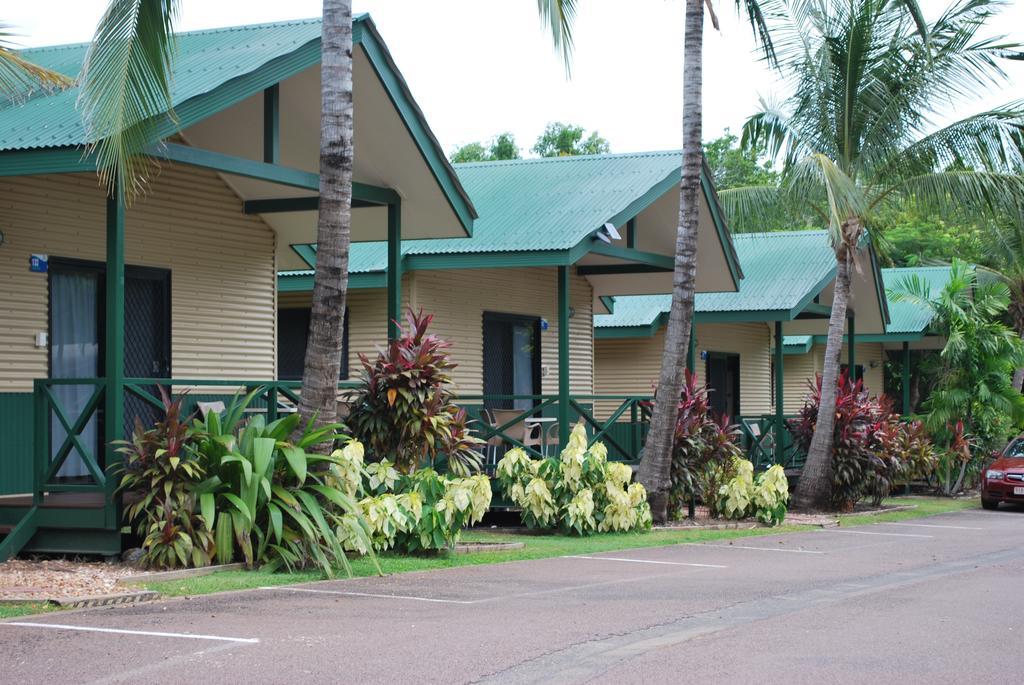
(538, 546)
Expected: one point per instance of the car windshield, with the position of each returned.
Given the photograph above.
(1015, 450)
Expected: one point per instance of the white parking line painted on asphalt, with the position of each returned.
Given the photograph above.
(866, 532)
(759, 549)
(645, 561)
(121, 631)
(371, 594)
(926, 525)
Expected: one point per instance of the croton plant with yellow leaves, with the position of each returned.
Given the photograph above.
(423, 510)
(580, 492)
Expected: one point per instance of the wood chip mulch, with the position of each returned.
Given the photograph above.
(50, 579)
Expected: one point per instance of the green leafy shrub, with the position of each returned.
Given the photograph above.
(404, 410)
(269, 501)
(580, 493)
(159, 464)
(764, 497)
(873, 449)
(704, 450)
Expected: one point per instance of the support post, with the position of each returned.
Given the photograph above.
(394, 278)
(631, 234)
(272, 125)
(113, 358)
(779, 406)
(563, 356)
(851, 348)
(906, 378)
(691, 350)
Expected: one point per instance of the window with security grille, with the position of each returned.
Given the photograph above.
(292, 334)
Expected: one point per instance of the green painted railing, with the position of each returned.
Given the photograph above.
(622, 425)
(272, 397)
(758, 438)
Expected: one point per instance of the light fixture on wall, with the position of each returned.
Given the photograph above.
(873, 364)
(1, 238)
(607, 234)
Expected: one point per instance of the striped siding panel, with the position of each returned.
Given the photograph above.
(223, 272)
(800, 368)
(458, 299)
(630, 366)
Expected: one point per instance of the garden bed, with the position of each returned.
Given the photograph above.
(60, 580)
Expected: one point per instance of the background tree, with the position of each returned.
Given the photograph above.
(501, 146)
(565, 140)
(1005, 252)
(655, 468)
(973, 371)
(857, 137)
(18, 76)
(126, 81)
(737, 168)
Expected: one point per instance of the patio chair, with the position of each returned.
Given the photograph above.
(205, 408)
(492, 443)
(529, 436)
(551, 439)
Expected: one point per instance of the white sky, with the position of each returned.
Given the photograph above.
(478, 67)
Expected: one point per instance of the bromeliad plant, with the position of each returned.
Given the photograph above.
(159, 463)
(405, 409)
(579, 493)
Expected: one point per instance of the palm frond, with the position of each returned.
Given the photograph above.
(126, 87)
(18, 76)
(558, 17)
(752, 208)
(992, 140)
(963, 192)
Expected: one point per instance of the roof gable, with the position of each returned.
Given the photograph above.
(783, 271)
(218, 70)
(909, 317)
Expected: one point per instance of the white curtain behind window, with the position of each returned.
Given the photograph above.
(522, 365)
(74, 353)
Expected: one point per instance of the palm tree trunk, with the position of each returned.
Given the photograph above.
(656, 465)
(1018, 375)
(330, 281)
(814, 490)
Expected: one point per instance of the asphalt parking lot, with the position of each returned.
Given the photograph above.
(930, 600)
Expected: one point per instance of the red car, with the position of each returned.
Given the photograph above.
(1003, 480)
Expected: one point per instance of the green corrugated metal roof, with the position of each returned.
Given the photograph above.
(204, 61)
(782, 271)
(214, 69)
(797, 344)
(907, 317)
(542, 204)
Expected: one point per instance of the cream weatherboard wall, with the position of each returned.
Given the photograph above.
(630, 366)
(367, 318)
(223, 275)
(798, 369)
(458, 299)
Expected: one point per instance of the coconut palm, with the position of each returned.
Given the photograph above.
(857, 137)
(656, 463)
(18, 76)
(126, 89)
